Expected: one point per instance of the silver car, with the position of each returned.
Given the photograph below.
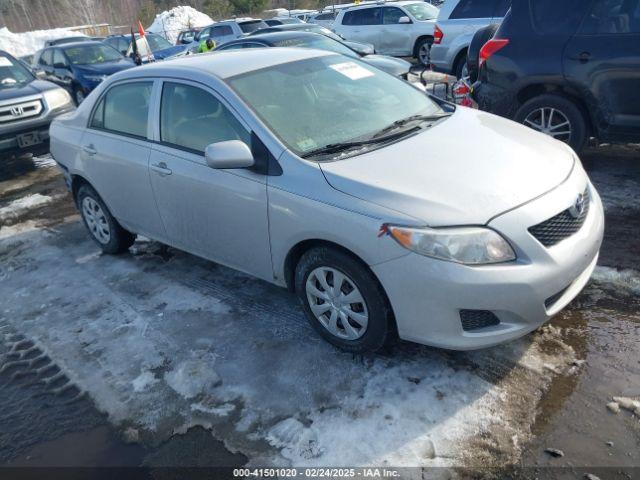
(320, 173)
(458, 21)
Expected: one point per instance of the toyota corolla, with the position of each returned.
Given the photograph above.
(387, 212)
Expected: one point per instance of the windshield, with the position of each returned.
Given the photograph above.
(316, 41)
(337, 99)
(422, 11)
(248, 27)
(92, 54)
(156, 42)
(13, 73)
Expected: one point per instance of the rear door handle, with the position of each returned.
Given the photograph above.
(90, 149)
(161, 168)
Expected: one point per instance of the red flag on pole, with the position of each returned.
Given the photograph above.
(140, 29)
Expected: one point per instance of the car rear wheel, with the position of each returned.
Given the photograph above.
(103, 228)
(555, 116)
(342, 300)
(423, 51)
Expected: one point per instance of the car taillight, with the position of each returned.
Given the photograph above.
(437, 35)
(491, 47)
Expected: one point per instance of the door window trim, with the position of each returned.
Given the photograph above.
(102, 98)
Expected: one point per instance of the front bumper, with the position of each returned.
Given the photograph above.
(9, 133)
(427, 294)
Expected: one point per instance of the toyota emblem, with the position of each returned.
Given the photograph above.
(17, 111)
(578, 208)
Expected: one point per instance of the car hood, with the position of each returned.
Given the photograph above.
(394, 66)
(169, 52)
(464, 170)
(23, 90)
(106, 68)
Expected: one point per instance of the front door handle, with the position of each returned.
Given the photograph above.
(90, 149)
(583, 57)
(161, 168)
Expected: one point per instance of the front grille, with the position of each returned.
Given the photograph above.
(562, 226)
(20, 111)
(477, 319)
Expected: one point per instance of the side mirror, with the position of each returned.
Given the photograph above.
(360, 48)
(404, 19)
(229, 154)
(40, 74)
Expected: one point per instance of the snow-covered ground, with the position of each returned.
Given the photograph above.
(27, 43)
(171, 22)
(163, 342)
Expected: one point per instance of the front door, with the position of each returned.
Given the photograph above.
(115, 153)
(395, 37)
(603, 60)
(218, 214)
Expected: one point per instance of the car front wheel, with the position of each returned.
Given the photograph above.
(343, 301)
(103, 228)
(555, 116)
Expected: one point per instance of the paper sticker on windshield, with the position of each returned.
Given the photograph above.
(352, 70)
(5, 62)
(306, 144)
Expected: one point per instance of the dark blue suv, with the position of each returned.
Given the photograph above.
(79, 67)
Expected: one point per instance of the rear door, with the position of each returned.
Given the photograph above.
(603, 59)
(395, 37)
(218, 214)
(363, 25)
(115, 153)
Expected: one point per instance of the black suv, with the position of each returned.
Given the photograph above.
(568, 68)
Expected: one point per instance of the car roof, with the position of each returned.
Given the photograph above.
(278, 36)
(225, 64)
(77, 44)
(400, 3)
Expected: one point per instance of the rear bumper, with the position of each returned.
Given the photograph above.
(440, 58)
(427, 295)
(494, 99)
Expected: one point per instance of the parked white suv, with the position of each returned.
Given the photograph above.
(457, 23)
(402, 29)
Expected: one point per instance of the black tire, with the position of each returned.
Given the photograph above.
(416, 51)
(566, 107)
(380, 323)
(119, 239)
(461, 63)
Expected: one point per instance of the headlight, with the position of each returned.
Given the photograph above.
(95, 78)
(468, 245)
(57, 98)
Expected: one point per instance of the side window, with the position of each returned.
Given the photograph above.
(123, 44)
(193, 118)
(124, 109)
(365, 16)
(46, 59)
(502, 7)
(221, 31)
(391, 15)
(474, 9)
(553, 17)
(59, 59)
(613, 17)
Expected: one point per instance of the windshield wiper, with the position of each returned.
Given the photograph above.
(342, 146)
(405, 121)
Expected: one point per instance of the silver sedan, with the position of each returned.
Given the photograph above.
(386, 212)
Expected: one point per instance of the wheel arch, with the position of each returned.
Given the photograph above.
(78, 181)
(572, 94)
(461, 55)
(429, 39)
(299, 249)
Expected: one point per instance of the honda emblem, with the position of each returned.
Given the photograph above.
(17, 111)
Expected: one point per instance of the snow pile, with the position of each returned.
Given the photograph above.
(22, 205)
(626, 279)
(28, 43)
(171, 22)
